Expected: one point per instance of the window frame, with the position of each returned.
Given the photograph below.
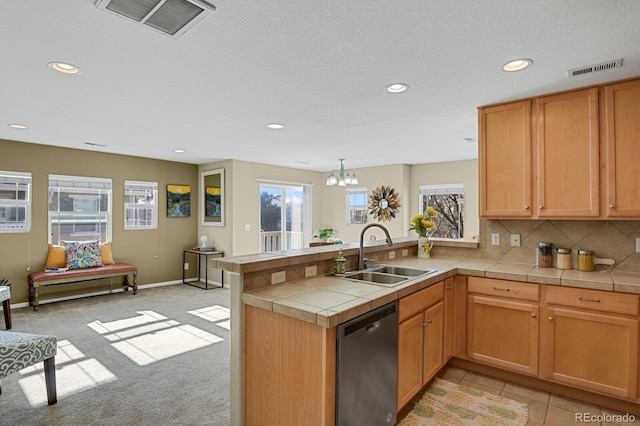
(135, 185)
(442, 189)
(87, 188)
(16, 179)
(350, 207)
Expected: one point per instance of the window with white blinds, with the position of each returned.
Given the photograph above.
(357, 207)
(448, 201)
(140, 205)
(79, 209)
(15, 201)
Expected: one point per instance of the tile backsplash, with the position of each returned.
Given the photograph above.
(607, 239)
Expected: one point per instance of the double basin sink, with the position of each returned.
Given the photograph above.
(388, 275)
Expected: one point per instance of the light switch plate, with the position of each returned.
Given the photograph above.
(405, 252)
(515, 240)
(637, 245)
(495, 239)
(392, 255)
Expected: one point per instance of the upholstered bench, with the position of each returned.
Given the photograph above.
(43, 278)
(21, 350)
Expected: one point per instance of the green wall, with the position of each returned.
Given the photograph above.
(157, 253)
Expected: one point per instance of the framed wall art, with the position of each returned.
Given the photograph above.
(178, 200)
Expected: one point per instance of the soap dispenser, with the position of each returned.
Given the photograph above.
(341, 264)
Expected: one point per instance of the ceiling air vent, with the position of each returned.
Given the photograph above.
(170, 17)
(617, 63)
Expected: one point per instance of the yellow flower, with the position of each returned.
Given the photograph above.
(431, 211)
(417, 218)
(428, 223)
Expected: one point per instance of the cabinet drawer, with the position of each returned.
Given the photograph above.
(595, 300)
(419, 301)
(504, 288)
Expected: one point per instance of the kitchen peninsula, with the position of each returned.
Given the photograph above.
(283, 335)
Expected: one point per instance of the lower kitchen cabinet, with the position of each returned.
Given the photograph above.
(420, 340)
(503, 324)
(590, 340)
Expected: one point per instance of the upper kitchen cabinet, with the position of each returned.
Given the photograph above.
(622, 150)
(567, 155)
(505, 160)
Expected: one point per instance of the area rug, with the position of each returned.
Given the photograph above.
(446, 403)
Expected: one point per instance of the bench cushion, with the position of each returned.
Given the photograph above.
(82, 274)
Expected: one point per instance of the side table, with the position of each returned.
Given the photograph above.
(199, 254)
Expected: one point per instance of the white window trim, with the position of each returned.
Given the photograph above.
(83, 184)
(132, 185)
(12, 178)
(351, 191)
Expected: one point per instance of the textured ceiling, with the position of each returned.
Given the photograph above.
(318, 67)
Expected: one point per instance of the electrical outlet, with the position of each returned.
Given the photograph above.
(186, 266)
(392, 255)
(495, 239)
(310, 271)
(247, 227)
(515, 240)
(637, 245)
(278, 277)
(405, 252)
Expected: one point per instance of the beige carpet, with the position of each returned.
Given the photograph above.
(158, 358)
(445, 403)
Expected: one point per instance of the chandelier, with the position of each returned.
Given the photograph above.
(343, 178)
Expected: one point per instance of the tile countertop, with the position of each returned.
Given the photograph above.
(328, 300)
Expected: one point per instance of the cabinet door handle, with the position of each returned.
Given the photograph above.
(582, 299)
(612, 206)
(526, 207)
(424, 324)
(534, 316)
(550, 318)
(541, 207)
(501, 289)
(429, 321)
(449, 288)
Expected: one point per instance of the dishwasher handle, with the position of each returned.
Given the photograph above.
(369, 321)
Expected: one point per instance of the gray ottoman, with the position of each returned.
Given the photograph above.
(21, 350)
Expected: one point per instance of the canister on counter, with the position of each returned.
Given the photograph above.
(585, 260)
(563, 258)
(545, 255)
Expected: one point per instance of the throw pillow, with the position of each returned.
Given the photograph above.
(106, 254)
(56, 257)
(82, 254)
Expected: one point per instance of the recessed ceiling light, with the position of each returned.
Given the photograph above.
(275, 126)
(179, 151)
(397, 87)
(64, 68)
(517, 65)
(17, 126)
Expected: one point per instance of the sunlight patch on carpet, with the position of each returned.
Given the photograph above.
(152, 347)
(74, 373)
(213, 313)
(445, 403)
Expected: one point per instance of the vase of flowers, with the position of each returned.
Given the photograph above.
(424, 225)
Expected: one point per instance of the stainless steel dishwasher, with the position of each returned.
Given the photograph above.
(367, 368)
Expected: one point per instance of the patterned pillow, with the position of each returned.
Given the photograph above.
(82, 254)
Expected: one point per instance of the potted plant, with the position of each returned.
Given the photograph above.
(424, 225)
(327, 236)
(5, 282)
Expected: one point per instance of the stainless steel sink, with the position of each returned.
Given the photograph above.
(388, 275)
(402, 270)
(376, 277)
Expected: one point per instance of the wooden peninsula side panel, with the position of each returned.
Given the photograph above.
(289, 370)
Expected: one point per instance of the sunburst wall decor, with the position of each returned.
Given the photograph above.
(384, 203)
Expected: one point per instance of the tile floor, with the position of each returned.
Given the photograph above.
(544, 408)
